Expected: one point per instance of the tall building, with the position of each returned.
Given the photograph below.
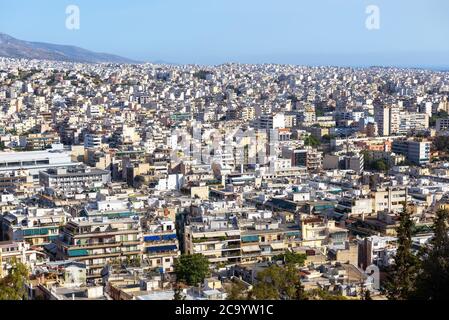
(417, 152)
(382, 118)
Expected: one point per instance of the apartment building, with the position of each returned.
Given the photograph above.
(417, 152)
(75, 179)
(100, 241)
(92, 141)
(264, 237)
(35, 226)
(442, 124)
(19, 182)
(391, 199)
(307, 157)
(160, 244)
(39, 141)
(18, 250)
(354, 207)
(217, 239)
(317, 232)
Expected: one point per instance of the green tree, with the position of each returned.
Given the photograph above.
(138, 182)
(291, 257)
(402, 276)
(12, 287)
(441, 143)
(380, 165)
(236, 291)
(192, 269)
(435, 117)
(433, 281)
(278, 283)
(311, 141)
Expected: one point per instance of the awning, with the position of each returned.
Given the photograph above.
(253, 248)
(161, 249)
(277, 246)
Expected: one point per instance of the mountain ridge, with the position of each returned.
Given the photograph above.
(11, 47)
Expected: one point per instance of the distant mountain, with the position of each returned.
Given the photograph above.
(13, 48)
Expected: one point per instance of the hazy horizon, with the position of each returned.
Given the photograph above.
(326, 32)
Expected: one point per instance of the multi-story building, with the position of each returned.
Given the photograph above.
(417, 152)
(383, 119)
(36, 226)
(35, 161)
(92, 141)
(19, 182)
(351, 206)
(109, 208)
(442, 124)
(269, 121)
(160, 244)
(264, 237)
(18, 250)
(74, 179)
(39, 141)
(323, 234)
(217, 239)
(100, 241)
(307, 157)
(391, 199)
(376, 250)
(412, 121)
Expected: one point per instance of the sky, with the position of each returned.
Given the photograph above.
(412, 33)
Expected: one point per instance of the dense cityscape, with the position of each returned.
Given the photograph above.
(233, 182)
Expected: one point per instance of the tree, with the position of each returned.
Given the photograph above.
(236, 291)
(380, 165)
(192, 269)
(311, 141)
(278, 283)
(291, 257)
(435, 117)
(433, 281)
(441, 143)
(12, 287)
(138, 182)
(401, 280)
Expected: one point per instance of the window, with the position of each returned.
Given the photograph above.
(14, 164)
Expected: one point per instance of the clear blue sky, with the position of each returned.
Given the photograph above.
(412, 32)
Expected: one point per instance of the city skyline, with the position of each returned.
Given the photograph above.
(323, 33)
